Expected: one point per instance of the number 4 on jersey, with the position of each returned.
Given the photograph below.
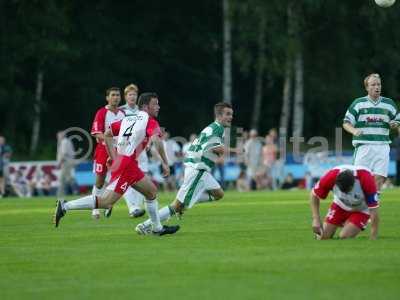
(128, 131)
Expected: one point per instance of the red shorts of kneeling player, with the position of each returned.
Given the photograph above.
(338, 216)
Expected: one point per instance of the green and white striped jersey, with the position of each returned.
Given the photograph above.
(199, 155)
(373, 118)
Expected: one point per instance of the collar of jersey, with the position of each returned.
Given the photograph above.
(374, 102)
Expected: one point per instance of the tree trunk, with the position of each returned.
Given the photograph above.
(298, 107)
(227, 59)
(37, 112)
(287, 84)
(287, 92)
(258, 95)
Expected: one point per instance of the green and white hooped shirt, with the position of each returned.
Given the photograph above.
(199, 155)
(373, 118)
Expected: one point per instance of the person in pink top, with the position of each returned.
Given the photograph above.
(355, 201)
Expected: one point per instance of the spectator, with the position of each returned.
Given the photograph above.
(46, 188)
(288, 182)
(242, 184)
(308, 181)
(253, 159)
(5, 157)
(65, 161)
(269, 154)
(20, 185)
(173, 152)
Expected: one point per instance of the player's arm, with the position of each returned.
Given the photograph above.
(368, 185)
(321, 191)
(351, 129)
(99, 136)
(374, 222)
(316, 217)
(159, 146)
(108, 138)
(219, 150)
(349, 121)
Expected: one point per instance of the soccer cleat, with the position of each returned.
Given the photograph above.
(96, 214)
(143, 229)
(108, 212)
(59, 213)
(167, 230)
(137, 213)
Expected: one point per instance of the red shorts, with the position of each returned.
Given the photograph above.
(338, 216)
(100, 160)
(127, 173)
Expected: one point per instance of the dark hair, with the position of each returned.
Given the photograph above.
(345, 181)
(111, 89)
(145, 98)
(219, 107)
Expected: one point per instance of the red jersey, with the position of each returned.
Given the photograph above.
(103, 119)
(362, 196)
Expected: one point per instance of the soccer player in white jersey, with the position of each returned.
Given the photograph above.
(355, 201)
(369, 120)
(134, 199)
(199, 183)
(104, 117)
(133, 133)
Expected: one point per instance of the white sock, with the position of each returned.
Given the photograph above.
(152, 210)
(165, 213)
(87, 202)
(98, 192)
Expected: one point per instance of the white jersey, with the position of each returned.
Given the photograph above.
(143, 159)
(132, 134)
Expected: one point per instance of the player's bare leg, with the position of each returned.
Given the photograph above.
(89, 202)
(349, 231)
(379, 180)
(146, 187)
(328, 231)
(98, 190)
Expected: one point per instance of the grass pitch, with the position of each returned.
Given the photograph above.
(247, 246)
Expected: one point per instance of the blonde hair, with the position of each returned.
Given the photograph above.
(131, 87)
(372, 75)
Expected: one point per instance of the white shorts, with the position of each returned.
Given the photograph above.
(374, 157)
(195, 183)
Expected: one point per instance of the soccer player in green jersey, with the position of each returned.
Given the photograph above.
(199, 183)
(369, 120)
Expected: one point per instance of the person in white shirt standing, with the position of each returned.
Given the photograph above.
(65, 162)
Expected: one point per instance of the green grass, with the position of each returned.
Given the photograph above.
(247, 246)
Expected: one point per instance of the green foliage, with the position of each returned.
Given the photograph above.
(175, 50)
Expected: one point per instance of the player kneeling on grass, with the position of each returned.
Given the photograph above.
(355, 201)
(133, 133)
(198, 183)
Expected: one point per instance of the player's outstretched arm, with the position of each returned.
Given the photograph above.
(374, 223)
(351, 129)
(159, 146)
(219, 150)
(316, 218)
